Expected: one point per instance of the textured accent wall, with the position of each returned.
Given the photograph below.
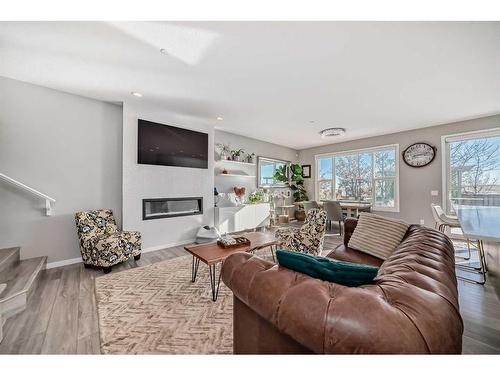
(156, 181)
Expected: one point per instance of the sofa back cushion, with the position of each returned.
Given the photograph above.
(377, 235)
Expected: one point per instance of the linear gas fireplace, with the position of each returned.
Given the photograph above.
(159, 208)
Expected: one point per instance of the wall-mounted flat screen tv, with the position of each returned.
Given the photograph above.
(160, 144)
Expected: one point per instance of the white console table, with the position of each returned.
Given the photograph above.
(248, 216)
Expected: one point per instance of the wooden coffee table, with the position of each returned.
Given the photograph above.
(212, 254)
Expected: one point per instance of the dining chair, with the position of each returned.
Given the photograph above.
(443, 221)
(334, 213)
(308, 205)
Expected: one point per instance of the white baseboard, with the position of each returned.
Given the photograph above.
(162, 247)
(62, 263)
(67, 262)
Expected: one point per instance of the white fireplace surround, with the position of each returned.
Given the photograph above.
(154, 181)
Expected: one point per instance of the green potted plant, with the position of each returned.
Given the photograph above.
(236, 154)
(256, 197)
(224, 151)
(291, 175)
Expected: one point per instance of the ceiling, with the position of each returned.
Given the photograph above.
(281, 82)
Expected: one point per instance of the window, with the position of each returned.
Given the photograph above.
(472, 169)
(267, 167)
(369, 175)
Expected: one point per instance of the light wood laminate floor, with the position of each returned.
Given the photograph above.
(61, 316)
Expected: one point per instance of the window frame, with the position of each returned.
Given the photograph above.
(274, 160)
(445, 157)
(371, 150)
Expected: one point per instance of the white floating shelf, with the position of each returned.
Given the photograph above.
(235, 175)
(235, 162)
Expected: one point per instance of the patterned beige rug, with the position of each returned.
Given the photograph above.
(156, 309)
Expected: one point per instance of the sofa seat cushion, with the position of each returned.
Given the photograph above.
(346, 254)
(327, 269)
(377, 235)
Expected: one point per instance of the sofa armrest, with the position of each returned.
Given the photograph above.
(349, 226)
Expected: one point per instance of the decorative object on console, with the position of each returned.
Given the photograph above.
(224, 171)
(419, 154)
(101, 244)
(323, 268)
(309, 237)
(377, 235)
(306, 171)
(239, 191)
(240, 195)
(256, 197)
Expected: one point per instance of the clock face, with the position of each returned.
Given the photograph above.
(419, 154)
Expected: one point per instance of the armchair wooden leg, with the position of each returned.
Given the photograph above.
(106, 269)
(137, 257)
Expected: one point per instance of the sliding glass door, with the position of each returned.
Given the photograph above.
(472, 169)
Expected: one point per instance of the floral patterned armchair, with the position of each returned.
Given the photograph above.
(308, 238)
(101, 244)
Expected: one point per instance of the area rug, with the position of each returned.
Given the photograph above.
(156, 309)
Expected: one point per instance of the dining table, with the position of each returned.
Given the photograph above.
(350, 207)
(482, 224)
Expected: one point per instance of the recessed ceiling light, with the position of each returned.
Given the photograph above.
(219, 118)
(138, 94)
(332, 132)
(312, 122)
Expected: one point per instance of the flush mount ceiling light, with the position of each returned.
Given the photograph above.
(332, 132)
(219, 118)
(137, 94)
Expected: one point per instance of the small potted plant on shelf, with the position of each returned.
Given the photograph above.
(224, 151)
(236, 154)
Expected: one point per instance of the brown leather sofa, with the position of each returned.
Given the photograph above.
(412, 306)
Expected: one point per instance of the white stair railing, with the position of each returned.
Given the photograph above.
(48, 200)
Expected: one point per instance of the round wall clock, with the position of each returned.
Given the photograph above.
(419, 154)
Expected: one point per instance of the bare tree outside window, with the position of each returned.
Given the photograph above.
(475, 171)
(368, 175)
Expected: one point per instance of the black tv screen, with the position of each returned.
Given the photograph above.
(168, 145)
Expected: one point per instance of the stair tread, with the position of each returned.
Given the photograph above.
(8, 256)
(20, 277)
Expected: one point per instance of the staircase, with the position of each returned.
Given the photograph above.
(18, 279)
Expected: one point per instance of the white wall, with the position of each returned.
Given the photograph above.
(63, 145)
(415, 184)
(154, 181)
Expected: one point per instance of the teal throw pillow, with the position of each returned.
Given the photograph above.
(345, 273)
